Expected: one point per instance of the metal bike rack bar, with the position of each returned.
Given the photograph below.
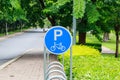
(58, 71)
(55, 66)
(55, 62)
(56, 77)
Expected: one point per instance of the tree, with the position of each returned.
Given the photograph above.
(10, 12)
(115, 9)
(88, 21)
(110, 11)
(56, 10)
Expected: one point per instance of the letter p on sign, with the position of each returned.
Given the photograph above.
(57, 33)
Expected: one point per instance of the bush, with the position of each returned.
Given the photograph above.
(83, 50)
(95, 45)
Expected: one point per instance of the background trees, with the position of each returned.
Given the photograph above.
(97, 16)
(10, 13)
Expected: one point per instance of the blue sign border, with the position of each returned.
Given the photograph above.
(62, 28)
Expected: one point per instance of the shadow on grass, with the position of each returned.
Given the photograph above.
(109, 55)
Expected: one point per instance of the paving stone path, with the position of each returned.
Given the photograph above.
(107, 50)
(28, 67)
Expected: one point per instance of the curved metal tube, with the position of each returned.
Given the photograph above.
(57, 77)
(55, 66)
(58, 71)
(55, 62)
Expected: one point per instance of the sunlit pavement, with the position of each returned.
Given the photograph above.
(17, 45)
(107, 50)
(28, 67)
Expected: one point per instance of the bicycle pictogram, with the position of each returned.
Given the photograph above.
(57, 46)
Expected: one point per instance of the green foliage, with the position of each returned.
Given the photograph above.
(97, 46)
(92, 13)
(93, 68)
(15, 4)
(54, 6)
(82, 50)
(18, 13)
(90, 67)
(79, 8)
(109, 13)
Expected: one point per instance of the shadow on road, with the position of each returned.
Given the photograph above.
(38, 55)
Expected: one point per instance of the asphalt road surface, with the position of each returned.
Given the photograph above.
(17, 45)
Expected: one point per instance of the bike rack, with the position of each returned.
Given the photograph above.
(53, 70)
(55, 67)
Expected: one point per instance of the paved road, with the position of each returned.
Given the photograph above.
(15, 46)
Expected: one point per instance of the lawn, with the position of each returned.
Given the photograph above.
(104, 67)
(109, 44)
(90, 67)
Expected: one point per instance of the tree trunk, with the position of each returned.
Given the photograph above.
(21, 26)
(82, 38)
(106, 36)
(52, 20)
(6, 29)
(117, 40)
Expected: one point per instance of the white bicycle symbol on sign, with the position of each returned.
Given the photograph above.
(57, 46)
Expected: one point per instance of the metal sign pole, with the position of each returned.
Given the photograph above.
(74, 31)
(71, 63)
(48, 54)
(45, 63)
(63, 59)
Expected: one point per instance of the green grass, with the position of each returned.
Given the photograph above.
(2, 34)
(104, 67)
(109, 44)
(92, 39)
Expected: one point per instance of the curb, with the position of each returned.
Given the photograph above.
(13, 60)
(9, 62)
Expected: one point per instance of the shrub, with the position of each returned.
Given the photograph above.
(95, 45)
(78, 50)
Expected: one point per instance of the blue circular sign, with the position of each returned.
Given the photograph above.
(58, 40)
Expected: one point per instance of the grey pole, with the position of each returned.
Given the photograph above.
(45, 63)
(6, 28)
(63, 59)
(71, 63)
(74, 30)
(48, 54)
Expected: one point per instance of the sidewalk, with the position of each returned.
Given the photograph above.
(28, 67)
(107, 50)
